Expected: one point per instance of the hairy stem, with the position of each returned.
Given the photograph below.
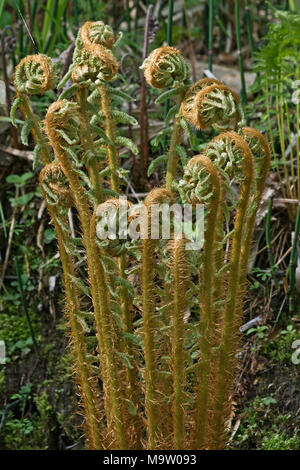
(179, 274)
(37, 131)
(110, 132)
(88, 145)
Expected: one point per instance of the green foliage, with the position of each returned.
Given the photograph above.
(263, 428)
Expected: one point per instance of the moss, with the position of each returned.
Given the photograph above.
(15, 333)
(262, 428)
(277, 441)
(23, 434)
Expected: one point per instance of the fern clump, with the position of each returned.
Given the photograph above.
(153, 324)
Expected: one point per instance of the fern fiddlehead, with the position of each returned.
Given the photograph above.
(165, 68)
(210, 103)
(34, 75)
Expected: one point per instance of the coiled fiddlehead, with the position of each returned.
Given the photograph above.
(34, 75)
(166, 68)
(114, 213)
(56, 185)
(97, 32)
(210, 103)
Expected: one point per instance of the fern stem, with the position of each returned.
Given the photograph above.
(207, 317)
(110, 132)
(179, 274)
(221, 401)
(176, 136)
(37, 132)
(98, 286)
(85, 376)
(88, 144)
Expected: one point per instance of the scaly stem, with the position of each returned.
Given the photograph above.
(37, 132)
(148, 290)
(85, 376)
(132, 380)
(99, 292)
(176, 137)
(180, 274)
(221, 400)
(207, 315)
(110, 132)
(88, 144)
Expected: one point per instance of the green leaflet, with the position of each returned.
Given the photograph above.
(182, 153)
(109, 265)
(83, 323)
(68, 91)
(102, 134)
(125, 358)
(171, 113)
(26, 131)
(166, 95)
(119, 116)
(124, 118)
(188, 130)
(65, 78)
(135, 339)
(157, 161)
(13, 110)
(125, 142)
(36, 155)
(81, 286)
(120, 93)
(160, 137)
(125, 283)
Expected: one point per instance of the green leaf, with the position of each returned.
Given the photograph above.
(102, 134)
(166, 95)
(182, 153)
(124, 118)
(125, 358)
(188, 130)
(49, 235)
(157, 161)
(21, 200)
(131, 408)
(26, 131)
(36, 155)
(171, 113)
(125, 283)
(118, 92)
(125, 142)
(19, 180)
(13, 110)
(135, 339)
(81, 286)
